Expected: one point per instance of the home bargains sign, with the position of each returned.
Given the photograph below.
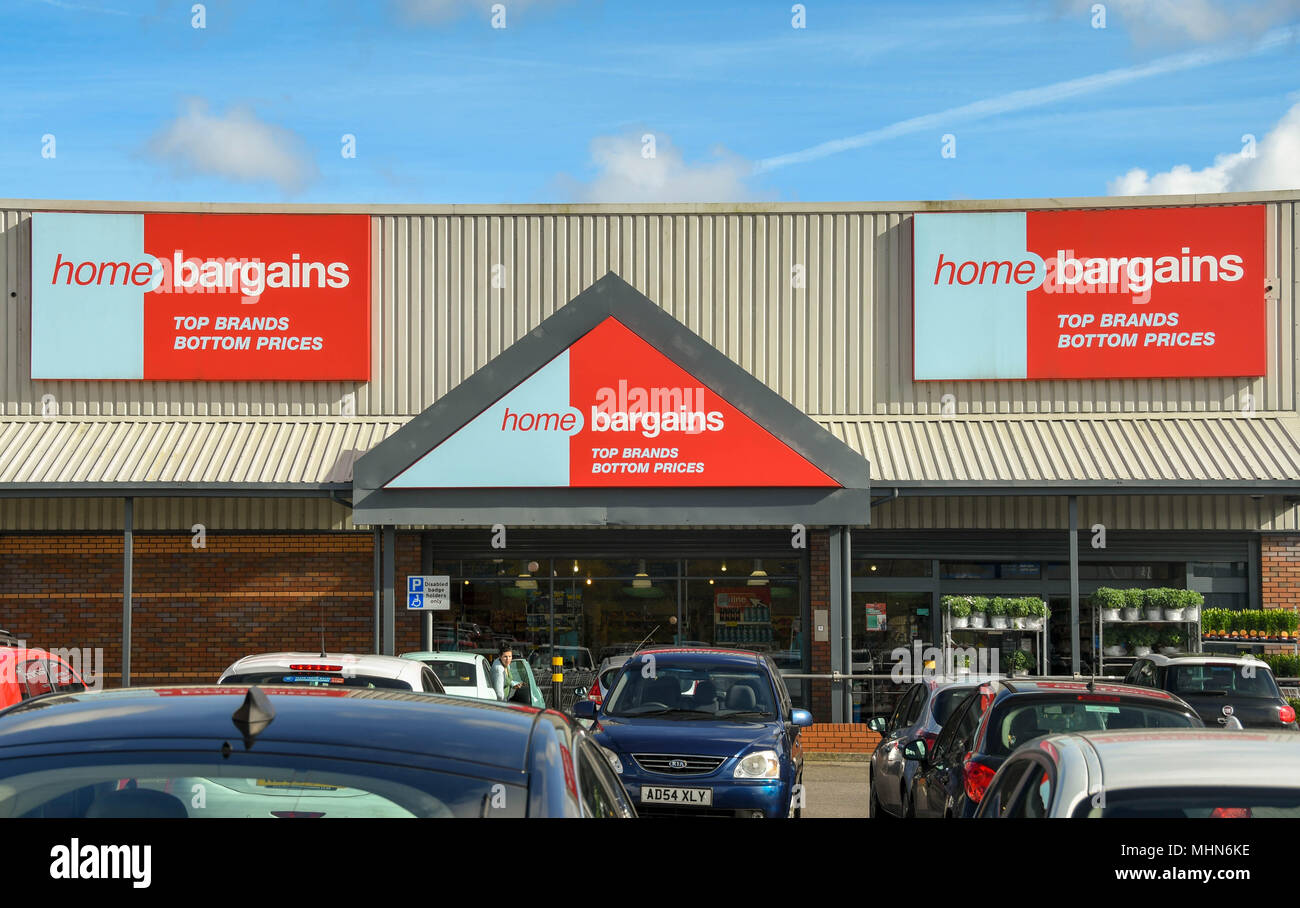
(1124, 293)
(611, 411)
(209, 297)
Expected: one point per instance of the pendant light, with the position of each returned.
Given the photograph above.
(759, 576)
(642, 581)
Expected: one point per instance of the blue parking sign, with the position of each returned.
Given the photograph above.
(415, 600)
(415, 584)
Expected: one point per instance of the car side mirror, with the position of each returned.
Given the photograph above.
(800, 718)
(585, 709)
(877, 724)
(915, 750)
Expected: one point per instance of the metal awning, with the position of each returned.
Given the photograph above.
(111, 455)
(1152, 454)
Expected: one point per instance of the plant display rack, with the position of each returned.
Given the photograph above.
(1038, 635)
(1121, 664)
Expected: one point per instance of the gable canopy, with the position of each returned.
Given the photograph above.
(612, 413)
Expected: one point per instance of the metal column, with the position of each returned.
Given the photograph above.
(127, 576)
(846, 622)
(389, 644)
(838, 595)
(1074, 586)
(377, 590)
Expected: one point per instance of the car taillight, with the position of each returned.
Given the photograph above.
(1231, 812)
(316, 668)
(929, 738)
(594, 693)
(1286, 713)
(976, 778)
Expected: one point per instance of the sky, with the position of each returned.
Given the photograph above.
(567, 101)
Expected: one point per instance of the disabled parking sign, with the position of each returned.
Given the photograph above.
(428, 592)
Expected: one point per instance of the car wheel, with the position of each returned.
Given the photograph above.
(874, 810)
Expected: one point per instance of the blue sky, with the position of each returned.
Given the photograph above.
(554, 107)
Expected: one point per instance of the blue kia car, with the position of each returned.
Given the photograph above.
(702, 732)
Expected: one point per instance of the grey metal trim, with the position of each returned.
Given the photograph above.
(389, 642)
(609, 297)
(948, 488)
(128, 575)
(614, 507)
(1074, 585)
(172, 489)
(836, 628)
(1145, 201)
(376, 582)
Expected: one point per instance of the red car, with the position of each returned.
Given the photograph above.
(27, 673)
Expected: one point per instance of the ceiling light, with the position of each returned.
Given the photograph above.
(759, 576)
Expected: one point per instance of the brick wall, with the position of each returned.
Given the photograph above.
(197, 610)
(839, 737)
(1280, 571)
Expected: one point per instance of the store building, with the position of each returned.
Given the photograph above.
(802, 427)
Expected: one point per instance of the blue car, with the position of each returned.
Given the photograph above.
(702, 732)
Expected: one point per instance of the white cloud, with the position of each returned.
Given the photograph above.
(236, 145)
(626, 174)
(1275, 165)
(1181, 21)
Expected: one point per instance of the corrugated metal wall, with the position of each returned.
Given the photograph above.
(816, 305)
(177, 514)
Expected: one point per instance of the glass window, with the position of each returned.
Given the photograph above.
(947, 701)
(892, 567)
(1000, 796)
(883, 622)
(1168, 573)
(35, 678)
(1222, 680)
(598, 799)
(896, 719)
(693, 691)
(1019, 724)
(914, 709)
(1219, 568)
(723, 568)
(1163, 803)
(317, 679)
(1234, 601)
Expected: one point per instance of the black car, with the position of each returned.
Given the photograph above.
(1002, 715)
(290, 752)
(920, 715)
(1219, 686)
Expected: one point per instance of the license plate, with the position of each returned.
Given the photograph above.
(694, 797)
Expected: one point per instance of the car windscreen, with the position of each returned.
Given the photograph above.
(1222, 680)
(948, 700)
(697, 691)
(317, 679)
(1024, 721)
(246, 784)
(453, 673)
(1195, 803)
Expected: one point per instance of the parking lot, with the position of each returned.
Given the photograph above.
(835, 789)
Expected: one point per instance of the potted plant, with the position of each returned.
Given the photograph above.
(1018, 612)
(1142, 639)
(959, 608)
(1290, 621)
(1115, 640)
(1037, 613)
(1110, 601)
(997, 611)
(1020, 663)
(978, 608)
(1172, 604)
(1272, 624)
(1153, 604)
(1171, 641)
(1211, 622)
(1192, 602)
(1133, 601)
(1234, 624)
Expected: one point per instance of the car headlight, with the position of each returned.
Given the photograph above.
(613, 759)
(761, 764)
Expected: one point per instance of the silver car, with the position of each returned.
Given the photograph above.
(1150, 773)
(919, 716)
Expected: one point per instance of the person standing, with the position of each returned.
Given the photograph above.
(501, 682)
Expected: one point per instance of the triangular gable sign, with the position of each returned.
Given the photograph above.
(611, 411)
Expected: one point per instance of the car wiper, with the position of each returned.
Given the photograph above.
(1203, 693)
(670, 712)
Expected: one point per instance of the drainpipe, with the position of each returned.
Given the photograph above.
(1074, 586)
(389, 642)
(127, 576)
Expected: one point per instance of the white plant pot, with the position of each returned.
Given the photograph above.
(1110, 614)
(998, 621)
(1173, 614)
(1169, 650)
(1131, 614)
(977, 619)
(1018, 623)
(1116, 650)
(961, 622)
(1141, 650)
(1192, 613)
(1154, 614)
(1034, 624)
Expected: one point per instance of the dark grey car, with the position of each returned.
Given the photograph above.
(919, 716)
(1218, 686)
